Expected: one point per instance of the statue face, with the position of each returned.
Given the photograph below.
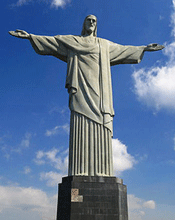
(90, 24)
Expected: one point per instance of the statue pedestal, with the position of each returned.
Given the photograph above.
(92, 198)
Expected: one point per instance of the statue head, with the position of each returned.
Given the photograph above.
(90, 25)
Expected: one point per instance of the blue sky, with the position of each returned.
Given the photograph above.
(34, 114)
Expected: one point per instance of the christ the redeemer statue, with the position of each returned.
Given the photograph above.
(89, 86)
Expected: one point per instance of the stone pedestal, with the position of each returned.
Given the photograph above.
(92, 198)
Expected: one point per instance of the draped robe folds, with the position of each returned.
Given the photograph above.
(89, 85)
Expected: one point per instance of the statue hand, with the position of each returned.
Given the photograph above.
(153, 47)
(20, 34)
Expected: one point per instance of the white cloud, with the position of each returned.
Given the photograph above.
(59, 3)
(155, 86)
(8, 149)
(57, 129)
(27, 170)
(121, 158)
(5, 151)
(64, 111)
(137, 207)
(53, 3)
(54, 157)
(22, 2)
(33, 202)
(149, 204)
(39, 154)
(52, 178)
(24, 144)
(4, 145)
(39, 159)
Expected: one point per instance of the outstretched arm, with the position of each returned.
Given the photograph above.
(43, 45)
(153, 47)
(20, 34)
(120, 54)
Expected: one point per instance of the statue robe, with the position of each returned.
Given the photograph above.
(89, 85)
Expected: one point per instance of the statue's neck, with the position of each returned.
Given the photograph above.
(89, 38)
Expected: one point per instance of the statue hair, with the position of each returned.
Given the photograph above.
(84, 30)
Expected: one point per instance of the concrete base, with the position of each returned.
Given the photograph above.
(92, 198)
